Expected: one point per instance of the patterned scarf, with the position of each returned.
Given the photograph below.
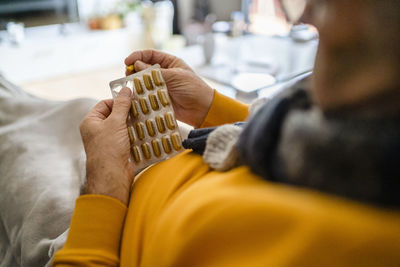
(290, 140)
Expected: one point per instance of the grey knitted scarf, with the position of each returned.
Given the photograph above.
(290, 140)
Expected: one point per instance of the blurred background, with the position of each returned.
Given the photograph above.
(64, 49)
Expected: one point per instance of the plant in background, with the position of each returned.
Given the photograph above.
(124, 7)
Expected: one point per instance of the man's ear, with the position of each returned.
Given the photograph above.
(338, 22)
(353, 15)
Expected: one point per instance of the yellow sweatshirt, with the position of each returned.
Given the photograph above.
(182, 213)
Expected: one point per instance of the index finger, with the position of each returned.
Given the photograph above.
(154, 57)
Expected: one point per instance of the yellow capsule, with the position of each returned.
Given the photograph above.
(138, 86)
(136, 154)
(158, 80)
(153, 102)
(146, 150)
(150, 128)
(176, 141)
(169, 119)
(156, 148)
(166, 143)
(134, 111)
(147, 82)
(131, 136)
(163, 96)
(140, 130)
(160, 124)
(130, 68)
(144, 106)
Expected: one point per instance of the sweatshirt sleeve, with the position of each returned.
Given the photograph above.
(95, 233)
(225, 110)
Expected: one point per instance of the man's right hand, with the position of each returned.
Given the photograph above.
(191, 96)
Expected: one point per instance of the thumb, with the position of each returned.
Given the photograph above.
(122, 104)
(169, 74)
(140, 65)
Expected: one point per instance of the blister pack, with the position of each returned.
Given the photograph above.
(152, 127)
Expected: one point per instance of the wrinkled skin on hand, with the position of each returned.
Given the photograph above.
(105, 138)
(191, 96)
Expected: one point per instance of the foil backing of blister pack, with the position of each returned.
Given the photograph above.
(152, 128)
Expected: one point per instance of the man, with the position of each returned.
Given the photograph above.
(326, 195)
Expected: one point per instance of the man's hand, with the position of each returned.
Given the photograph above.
(105, 138)
(191, 96)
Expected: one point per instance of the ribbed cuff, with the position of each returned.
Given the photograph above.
(97, 224)
(225, 110)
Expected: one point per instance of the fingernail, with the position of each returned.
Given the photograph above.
(125, 92)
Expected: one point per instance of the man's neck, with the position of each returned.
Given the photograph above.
(374, 91)
(370, 88)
